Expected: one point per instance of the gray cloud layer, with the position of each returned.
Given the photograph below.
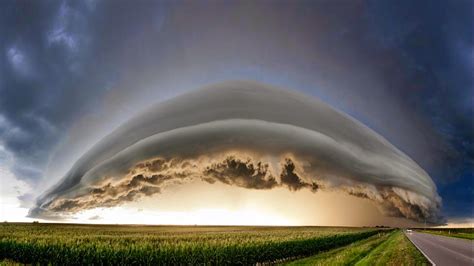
(249, 135)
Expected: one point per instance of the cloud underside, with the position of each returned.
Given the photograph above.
(248, 154)
(152, 177)
(262, 138)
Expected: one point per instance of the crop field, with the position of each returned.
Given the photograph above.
(466, 233)
(116, 244)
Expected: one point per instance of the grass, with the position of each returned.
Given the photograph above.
(7, 262)
(347, 255)
(389, 248)
(108, 244)
(396, 250)
(466, 233)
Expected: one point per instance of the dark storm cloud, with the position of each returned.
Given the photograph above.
(436, 63)
(45, 53)
(288, 139)
(232, 171)
(438, 60)
(55, 66)
(407, 62)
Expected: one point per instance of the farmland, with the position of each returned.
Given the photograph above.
(466, 233)
(114, 244)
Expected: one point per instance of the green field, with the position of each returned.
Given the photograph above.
(466, 233)
(113, 244)
(388, 248)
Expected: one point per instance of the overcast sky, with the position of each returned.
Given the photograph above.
(72, 71)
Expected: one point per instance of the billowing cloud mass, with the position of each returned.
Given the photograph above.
(249, 135)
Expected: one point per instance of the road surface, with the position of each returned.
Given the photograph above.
(443, 250)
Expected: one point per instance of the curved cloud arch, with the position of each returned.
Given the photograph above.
(250, 135)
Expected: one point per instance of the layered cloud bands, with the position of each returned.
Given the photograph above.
(247, 135)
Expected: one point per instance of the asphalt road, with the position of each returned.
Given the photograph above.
(443, 250)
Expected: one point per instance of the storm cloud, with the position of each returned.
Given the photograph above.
(249, 135)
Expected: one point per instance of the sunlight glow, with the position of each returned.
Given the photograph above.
(204, 216)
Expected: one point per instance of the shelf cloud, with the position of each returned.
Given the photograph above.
(244, 134)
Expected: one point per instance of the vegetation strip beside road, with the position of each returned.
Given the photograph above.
(345, 255)
(383, 249)
(465, 233)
